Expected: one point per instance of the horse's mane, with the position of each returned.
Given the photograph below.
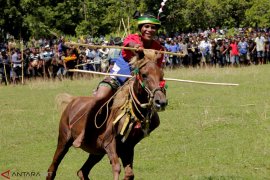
(121, 96)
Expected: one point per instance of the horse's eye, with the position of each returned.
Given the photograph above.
(144, 76)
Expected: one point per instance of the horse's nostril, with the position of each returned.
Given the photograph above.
(160, 103)
(157, 103)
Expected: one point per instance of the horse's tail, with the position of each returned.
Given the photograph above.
(62, 100)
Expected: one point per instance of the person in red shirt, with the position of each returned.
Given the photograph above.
(234, 53)
(148, 26)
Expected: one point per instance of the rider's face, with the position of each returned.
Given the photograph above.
(148, 31)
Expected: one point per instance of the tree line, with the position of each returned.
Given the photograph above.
(36, 18)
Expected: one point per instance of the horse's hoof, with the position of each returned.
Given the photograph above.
(81, 176)
(50, 176)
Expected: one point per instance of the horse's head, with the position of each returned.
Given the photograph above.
(150, 79)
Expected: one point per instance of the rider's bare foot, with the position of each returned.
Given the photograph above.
(78, 141)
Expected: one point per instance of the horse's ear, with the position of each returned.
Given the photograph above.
(152, 55)
(134, 61)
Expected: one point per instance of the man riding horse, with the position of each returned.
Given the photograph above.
(148, 25)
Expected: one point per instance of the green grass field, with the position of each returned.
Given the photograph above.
(206, 132)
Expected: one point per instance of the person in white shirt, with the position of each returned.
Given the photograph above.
(16, 64)
(260, 45)
(114, 53)
(204, 47)
(47, 57)
(104, 52)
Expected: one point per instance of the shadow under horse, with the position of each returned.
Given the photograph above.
(117, 126)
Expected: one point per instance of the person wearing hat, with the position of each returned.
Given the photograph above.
(148, 26)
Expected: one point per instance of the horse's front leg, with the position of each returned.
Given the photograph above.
(127, 155)
(88, 165)
(111, 152)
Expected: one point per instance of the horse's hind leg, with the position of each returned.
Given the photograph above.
(88, 165)
(64, 143)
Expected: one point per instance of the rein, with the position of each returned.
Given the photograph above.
(107, 106)
(132, 107)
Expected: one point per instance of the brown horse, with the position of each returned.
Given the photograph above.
(116, 127)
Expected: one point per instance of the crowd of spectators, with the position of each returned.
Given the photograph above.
(213, 48)
(51, 58)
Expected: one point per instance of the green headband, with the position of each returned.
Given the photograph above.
(148, 20)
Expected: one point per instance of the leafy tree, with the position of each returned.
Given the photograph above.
(259, 14)
(25, 18)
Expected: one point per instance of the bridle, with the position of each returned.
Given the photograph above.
(151, 94)
(133, 100)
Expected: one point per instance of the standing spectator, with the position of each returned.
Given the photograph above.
(4, 67)
(191, 52)
(184, 60)
(26, 62)
(223, 51)
(90, 54)
(234, 53)
(61, 68)
(114, 53)
(104, 63)
(260, 45)
(218, 52)
(168, 59)
(267, 52)
(213, 54)
(35, 67)
(243, 50)
(267, 48)
(71, 60)
(204, 47)
(17, 66)
(54, 67)
(174, 48)
(226, 51)
(252, 51)
(97, 60)
(47, 56)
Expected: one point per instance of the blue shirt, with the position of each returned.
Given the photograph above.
(174, 48)
(243, 47)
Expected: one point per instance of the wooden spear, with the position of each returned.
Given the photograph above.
(84, 64)
(119, 28)
(126, 32)
(167, 79)
(128, 26)
(120, 47)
